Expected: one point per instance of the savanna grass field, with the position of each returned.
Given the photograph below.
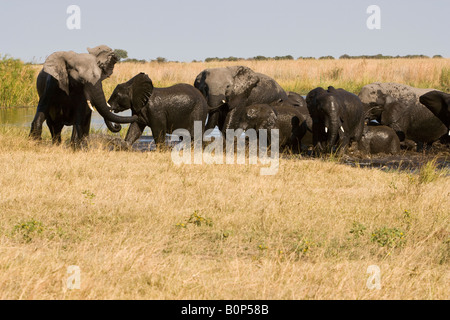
(140, 227)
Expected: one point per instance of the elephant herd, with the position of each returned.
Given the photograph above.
(381, 119)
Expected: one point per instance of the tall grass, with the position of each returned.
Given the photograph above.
(293, 75)
(303, 75)
(17, 83)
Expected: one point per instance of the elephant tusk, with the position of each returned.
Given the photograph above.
(326, 130)
(342, 129)
(223, 101)
(90, 105)
(449, 133)
(108, 105)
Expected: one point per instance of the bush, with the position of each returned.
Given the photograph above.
(17, 83)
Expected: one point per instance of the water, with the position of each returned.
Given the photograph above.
(22, 117)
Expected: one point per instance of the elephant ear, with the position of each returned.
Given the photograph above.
(66, 65)
(311, 98)
(439, 103)
(199, 82)
(245, 80)
(141, 90)
(106, 59)
(55, 65)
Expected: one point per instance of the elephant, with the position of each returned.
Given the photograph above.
(398, 106)
(286, 119)
(337, 116)
(299, 103)
(438, 103)
(68, 85)
(293, 99)
(228, 88)
(379, 139)
(162, 109)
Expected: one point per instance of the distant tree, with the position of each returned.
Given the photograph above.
(288, 57)
(135, 60)
(160, 60)
(259, 58)
(326, 57)
(121, 54)
(437, 56)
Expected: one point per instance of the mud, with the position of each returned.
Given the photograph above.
(410, 161)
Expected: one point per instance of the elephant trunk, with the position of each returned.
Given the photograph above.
(95, 94)
(113, 127)
(333, 132)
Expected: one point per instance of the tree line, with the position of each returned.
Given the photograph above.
(123, 56)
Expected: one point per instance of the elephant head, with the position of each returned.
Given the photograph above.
(84, 72)
(225, 89)
(325, 111)
(257, 117)
(133, 94)
(439, 103)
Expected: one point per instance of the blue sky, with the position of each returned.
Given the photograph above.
(196, 29)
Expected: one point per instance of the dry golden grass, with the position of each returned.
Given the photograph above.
(309, 232)
(302, 75)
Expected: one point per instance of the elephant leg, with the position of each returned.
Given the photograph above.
(55, 130)
(82, 121)
(134, 132)
(43, 107)
(160, 137)
(213, 120)
(36, 125)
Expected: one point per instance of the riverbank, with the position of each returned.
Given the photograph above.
(140, 227)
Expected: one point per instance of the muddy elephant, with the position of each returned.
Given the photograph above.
(293, 99)
(337, 116)
(438, 103)
(286, 119)
(379, 139)
(232, 87)
(398, 106)
(69, 85)
(299, 103)
(162, 109)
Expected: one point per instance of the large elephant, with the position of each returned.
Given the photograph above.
(288, 120)
(398, 106)
(226, 89)
(68, 86)
(338, 118)
(162, 109)
(438, 103)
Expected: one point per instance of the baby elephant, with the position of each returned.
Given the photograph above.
(289, 121)
(379, 139)
(162, 109)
